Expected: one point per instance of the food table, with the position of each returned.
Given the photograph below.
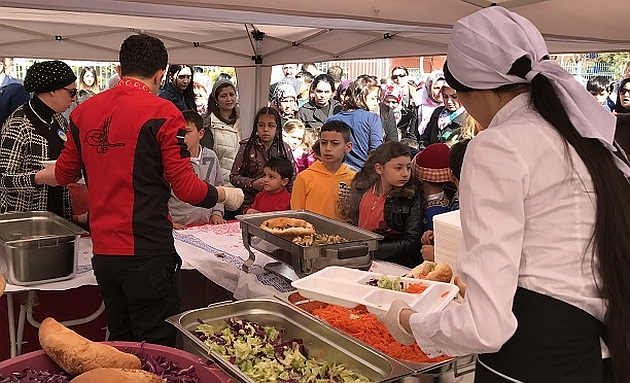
(216, 251)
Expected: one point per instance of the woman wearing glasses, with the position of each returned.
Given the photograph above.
(33, 134)
(623, 97)
(400, 77)
(178, 88)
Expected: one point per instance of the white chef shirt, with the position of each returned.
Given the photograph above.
(527, 220)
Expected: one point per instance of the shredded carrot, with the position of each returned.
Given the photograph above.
(415, 288)
(364, 326)
(444, 294)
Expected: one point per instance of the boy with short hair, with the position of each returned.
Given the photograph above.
(278, 172)
(205, 164)
(323, 187)
(599, 87)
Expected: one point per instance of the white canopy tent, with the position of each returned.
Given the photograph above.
(253, 35)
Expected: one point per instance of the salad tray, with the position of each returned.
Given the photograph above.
(357, 252)
(349, 288)
(320, 341)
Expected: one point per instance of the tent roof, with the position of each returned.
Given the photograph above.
(220, 33)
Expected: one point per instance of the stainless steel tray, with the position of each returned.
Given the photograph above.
(38, 247)
(356, 253)
(460, 365)
(320, 341)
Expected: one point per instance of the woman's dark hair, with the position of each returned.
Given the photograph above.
(277, 143)
(367, 176)
(618, 107)
(213, 105)
(83, 85)
(610, 238)
(189, 93)
(325, 78)
(357, 92)
(400, 67)
(456, 157)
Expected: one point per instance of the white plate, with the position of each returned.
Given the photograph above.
(347, 288)
(46, 164)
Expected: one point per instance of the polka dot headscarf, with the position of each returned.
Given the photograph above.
(47, 76)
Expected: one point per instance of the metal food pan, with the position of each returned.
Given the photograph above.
(357, 252)
(320, 341)
(455, 367)
(38, 247)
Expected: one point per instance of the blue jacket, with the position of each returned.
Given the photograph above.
(366, 135)
(11, 97)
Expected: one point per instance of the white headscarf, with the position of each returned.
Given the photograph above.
(485, 44)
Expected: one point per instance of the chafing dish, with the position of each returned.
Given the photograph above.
(456, 369)
(38, 247)
(320, 340)
(304, 260)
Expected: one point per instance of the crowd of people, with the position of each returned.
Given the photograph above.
(385, 155)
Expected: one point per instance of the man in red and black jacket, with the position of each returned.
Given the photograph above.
(130, 145)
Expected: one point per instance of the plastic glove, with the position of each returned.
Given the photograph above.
(391, 319)
(233, 197)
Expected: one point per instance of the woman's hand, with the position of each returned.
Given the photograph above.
(258, 184)
(46, 176)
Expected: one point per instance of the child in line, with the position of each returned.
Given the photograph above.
(366, 131)
(599, 87)
(206, 165)
(455, 161)
(323, 187)
(294, 135)
(264, 143)
(274, 196)
(385, 199)
(430, 167)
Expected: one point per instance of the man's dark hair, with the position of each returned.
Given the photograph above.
(194, 118)
(336, 72)
(142, 55)
(281, 165)
(598, 84)
(306, 77)
(339, 127)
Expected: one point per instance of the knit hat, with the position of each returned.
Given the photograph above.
(431, 164)
(285, 90)
(219, 85)
(47, 76)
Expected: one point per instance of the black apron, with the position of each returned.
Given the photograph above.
(554, 342)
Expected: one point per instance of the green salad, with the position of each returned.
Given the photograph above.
(385, 282)
(261, 353)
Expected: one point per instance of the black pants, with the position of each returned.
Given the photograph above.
(139, 293)
(554, 342)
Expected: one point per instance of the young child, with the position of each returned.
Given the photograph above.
(323, 187)
(366, 127)
(264, 143)
(599, 87)
(385, 199)
(294, 136)
(206, 165)
(274, 196)
(430, 166)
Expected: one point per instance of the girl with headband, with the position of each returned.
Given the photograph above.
(544, 199)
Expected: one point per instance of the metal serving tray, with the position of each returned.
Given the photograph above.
(38, 247)
(320, 341)
(457, 366)
(357, 253)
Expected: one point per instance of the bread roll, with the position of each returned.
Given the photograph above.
(431, 271)
(3, 284)
(462, 286)
(117, 375)
(76, 354)
(287, 227)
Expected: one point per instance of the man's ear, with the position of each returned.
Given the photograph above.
(157, 77)
(119, 71)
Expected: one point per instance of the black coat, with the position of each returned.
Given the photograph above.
(388, 120)
(403, 218)
(433, 134)
(313, 116)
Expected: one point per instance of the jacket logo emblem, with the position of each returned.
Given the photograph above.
(100, 138)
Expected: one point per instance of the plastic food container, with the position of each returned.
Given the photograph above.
(38, 360)
(38, 247)
(348, 288)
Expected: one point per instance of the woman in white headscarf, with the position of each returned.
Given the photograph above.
(431, 99)
(544, 199)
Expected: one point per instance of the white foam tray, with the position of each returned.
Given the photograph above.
(347, 288)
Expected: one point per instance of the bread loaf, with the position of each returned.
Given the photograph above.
(117, 375)
(287, 227)
(76, 354)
